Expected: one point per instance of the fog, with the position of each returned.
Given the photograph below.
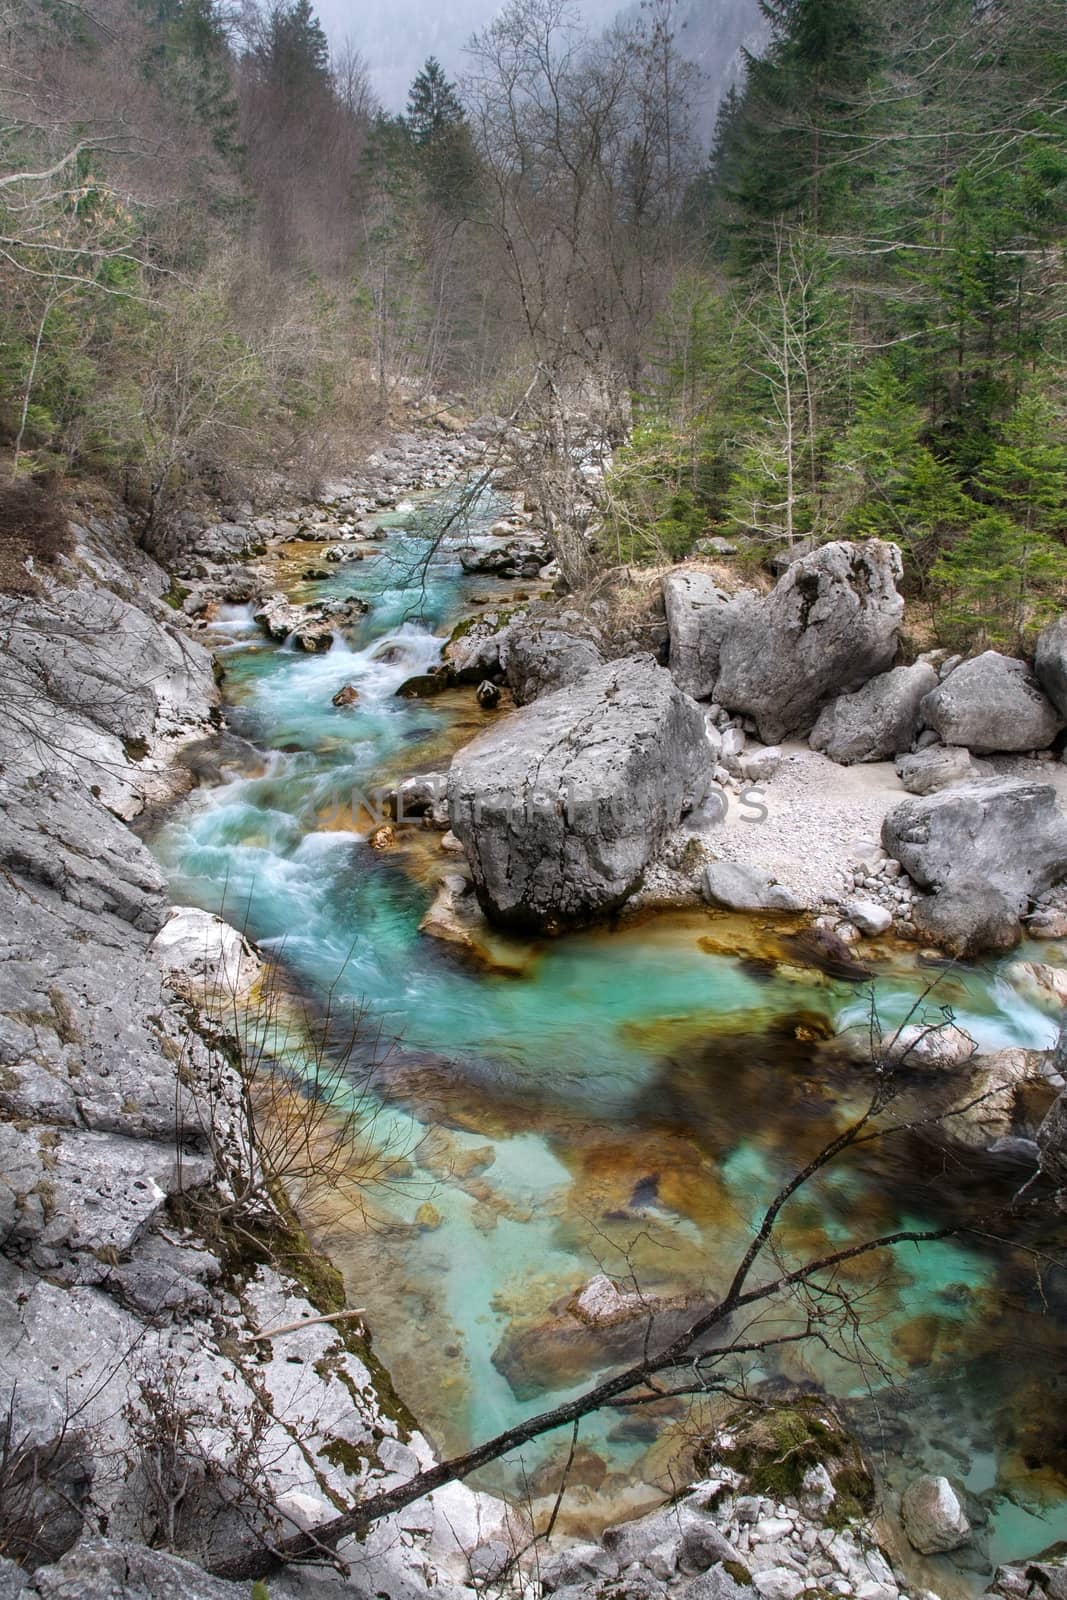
(396, 36)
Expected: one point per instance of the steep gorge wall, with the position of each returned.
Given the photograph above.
(147, 1402)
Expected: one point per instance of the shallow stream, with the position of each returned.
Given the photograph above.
(622, 1100)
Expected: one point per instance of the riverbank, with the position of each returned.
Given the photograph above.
(449, 1176)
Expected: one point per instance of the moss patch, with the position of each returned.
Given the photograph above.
(776, 1448)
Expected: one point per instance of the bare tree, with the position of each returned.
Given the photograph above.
(767, 1302)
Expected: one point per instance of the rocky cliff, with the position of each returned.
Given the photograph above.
(166, 1376)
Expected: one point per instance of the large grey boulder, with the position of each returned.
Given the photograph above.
(562, 805)
(1050, 663)
(878, 721)
(937, 767)
(990, 704)
(540, 653)
(828, 626)
(698, 615)
(985, 850)
(102, 1570)
(934, 1516)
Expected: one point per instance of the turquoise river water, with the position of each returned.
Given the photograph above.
(621, 1100)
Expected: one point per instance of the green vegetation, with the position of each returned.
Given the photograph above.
(873, 343)
(850, 322)
(776, 1448)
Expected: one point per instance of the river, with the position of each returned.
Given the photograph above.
(622, 1100)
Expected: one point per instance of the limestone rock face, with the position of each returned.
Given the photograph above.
(562, 805)
(206, 959)
(933, 1515)
(541, 653)
(878, 721)
(992, 704)
(698, 614)
(985, 850)
(1050, 663)
(829, 625)
(937, 767)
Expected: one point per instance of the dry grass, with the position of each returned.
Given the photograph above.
(33, 533)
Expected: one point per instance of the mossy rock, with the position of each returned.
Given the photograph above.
(775, 1448)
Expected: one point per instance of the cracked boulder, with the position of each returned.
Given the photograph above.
(992, 704)
(562, 805)
(984, 851)
(828, 627)
(698, 615)
(878, 721)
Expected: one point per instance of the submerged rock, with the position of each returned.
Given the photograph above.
(575, 1337)
(876, 722)
(984, 850)
(562, 805)
(830, 624)
(992, 704)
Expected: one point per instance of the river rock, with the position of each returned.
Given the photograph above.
(985, 850)
(206, 959)
(985, 1115)
(741, 888)
(541, 652)
(563, 1346)
(472, 652)
(562, 804)
(876, 722)
(347, 695)
(1050, 663)
(1045, 1575)
(990, 704)
(516, 558)
(829, 625)
(937, 767)
(933, 1515)
(868, 916)
(919, 1045)
(698, 613)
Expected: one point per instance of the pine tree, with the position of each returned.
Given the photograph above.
(436, 126)
(434, 110)
(1010, 571)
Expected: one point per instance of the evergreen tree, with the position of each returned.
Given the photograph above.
(436, 126)
(434, 109)
(1009, 573)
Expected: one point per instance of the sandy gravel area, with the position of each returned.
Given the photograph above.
(821, 818)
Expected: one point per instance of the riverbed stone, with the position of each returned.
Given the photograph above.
(829, 625)
(933, 1514)
(698, 614)
(743, 888)
(562, 805)
(936, 767)
(878, 721)
(992, 703)
(984, 850)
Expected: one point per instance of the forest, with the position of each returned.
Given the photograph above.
(220, 257)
